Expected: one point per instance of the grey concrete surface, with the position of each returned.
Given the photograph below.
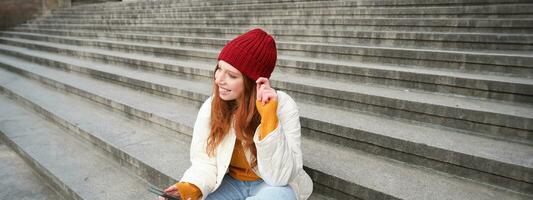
(78, 83)
(172, 82)
(231, 5)
(70, 164)
(414, 178)
(19, 181)
(488, 117)
(501, 11)
(450, 41)
(362, 24)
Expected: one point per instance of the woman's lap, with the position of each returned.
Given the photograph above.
(232, 189)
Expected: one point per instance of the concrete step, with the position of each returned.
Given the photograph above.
(407, 183)
(336, 23)
(233, 5)
(498, 119)
(431, 40)
(476, 11)
(18, 180)
(355, 180)
(134, 143)
(63, 160)
(131, 142)
(76, 3)
(169, 29)
(183, 2)
(508, 63)
(460, 83)
(450, 148)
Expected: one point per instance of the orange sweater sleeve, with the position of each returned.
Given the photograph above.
(269, 117)
(188, 190)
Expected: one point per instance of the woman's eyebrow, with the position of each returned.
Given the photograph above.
(231, 72)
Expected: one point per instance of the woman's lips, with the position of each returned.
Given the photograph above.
(223, 90)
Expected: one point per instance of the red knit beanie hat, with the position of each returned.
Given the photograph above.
(252, 53)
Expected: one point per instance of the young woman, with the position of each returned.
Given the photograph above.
(246, 139)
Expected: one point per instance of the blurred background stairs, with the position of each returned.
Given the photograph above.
(411, 99)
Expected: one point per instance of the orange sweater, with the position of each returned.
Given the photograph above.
(239, 167)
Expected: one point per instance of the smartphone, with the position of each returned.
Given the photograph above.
(159, 192)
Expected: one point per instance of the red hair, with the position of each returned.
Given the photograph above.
(245, 116)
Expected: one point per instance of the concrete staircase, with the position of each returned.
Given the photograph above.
(411, 99)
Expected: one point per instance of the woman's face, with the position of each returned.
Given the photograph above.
(229, 80)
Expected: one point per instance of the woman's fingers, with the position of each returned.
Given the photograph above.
(259, 91)
(261, 84)
(171, 189)
(267, 96)
(261, 80)
(263, 90)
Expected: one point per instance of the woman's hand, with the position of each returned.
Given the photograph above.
(268, 111)
(265, 93)
(172, 191)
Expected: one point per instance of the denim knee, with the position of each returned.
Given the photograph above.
(271, 192)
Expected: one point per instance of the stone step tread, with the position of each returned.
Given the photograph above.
(512, 53)
(200, 5)
(421, 40)
(351, 165)
(463, 9)
(161, 79)
(318, 196)
(328, 48)
(506, 152)
(19, 181)
(504, 9)
(403, 183)
(145, 142)
(527, 54)
(443, 139)
(351, 28)
(151, 3)
(134, 17)
(511, 109)
(82, 169)
(118, 54)
(378, 21)
(417, 69)
(238, 30)
(434, 36)
(162, 106)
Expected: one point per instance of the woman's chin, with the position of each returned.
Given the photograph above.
(226, 98)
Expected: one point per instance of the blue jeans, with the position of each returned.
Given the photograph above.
(232, 189)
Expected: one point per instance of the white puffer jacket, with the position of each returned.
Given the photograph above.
(279, 156)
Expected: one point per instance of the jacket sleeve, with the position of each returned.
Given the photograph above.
(278, 154)
(202, 172)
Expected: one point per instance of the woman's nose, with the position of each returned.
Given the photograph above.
(219, 79)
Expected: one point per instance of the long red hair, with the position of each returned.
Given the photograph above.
(245, 116)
